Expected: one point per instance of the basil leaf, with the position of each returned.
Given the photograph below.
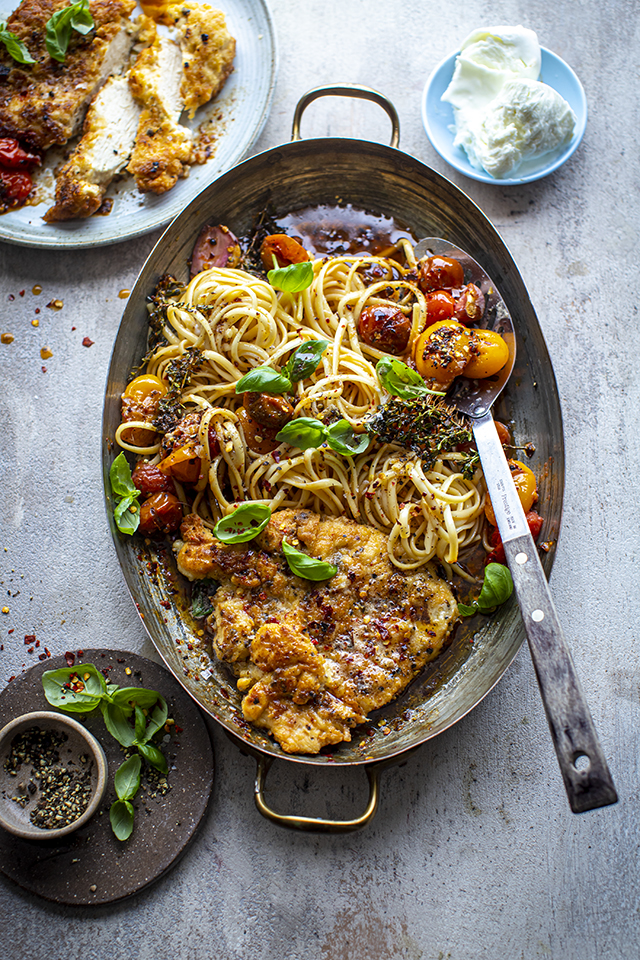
(140, 726)
(59, 693)
(59, 26)
(128, 697)
(154, 756)
(304, 360)
(15, 47)
(127, 778)
(120, 478)
(342, 438)
(402, 381)
(310, 568)
(117, 723)
(496, 588)
(292, 279)
(245, 523)
(201, 592)
(303, 432)
(263, 380)
(121, 816)
(466, 611)
(158, 718)
(127, 520)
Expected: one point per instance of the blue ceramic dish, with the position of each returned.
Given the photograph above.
(438, 121)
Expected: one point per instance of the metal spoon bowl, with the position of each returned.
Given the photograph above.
(584, 768)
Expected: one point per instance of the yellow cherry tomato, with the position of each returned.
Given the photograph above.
(441, 351)
(526, 485)
(141, 387)
(488, 353)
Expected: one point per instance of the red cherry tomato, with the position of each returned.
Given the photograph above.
(285, 249)
(148, 479)
(15, 157)
(385, 328)
(440, 306)
(440, 273)
(534, 521)
(15, 186)
(161, 513)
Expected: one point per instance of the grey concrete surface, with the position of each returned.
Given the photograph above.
(474, 852)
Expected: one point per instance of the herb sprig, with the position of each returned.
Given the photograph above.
(307, 433)
(127, 510)
(301, 364)
(14, 46)
(76, 17)
(81, 689)
(497, 587)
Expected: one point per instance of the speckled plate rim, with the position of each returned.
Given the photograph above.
(244, 104)
(437, 118)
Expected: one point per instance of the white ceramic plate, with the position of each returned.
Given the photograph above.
(243, 106)
(437, 117)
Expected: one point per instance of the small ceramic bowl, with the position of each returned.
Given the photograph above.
(439, 124)
(23, 784)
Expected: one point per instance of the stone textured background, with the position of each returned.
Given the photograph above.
(474, 852)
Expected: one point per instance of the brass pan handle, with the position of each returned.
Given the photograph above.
(312, 824)
(347, 90)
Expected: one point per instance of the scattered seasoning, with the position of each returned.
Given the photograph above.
(11, 297)
(5, 609)
(87, 342)
(21, 293)
(35, 322)
(55, 304)
(7, 338)
(37, 310)
(64, 793)
(124, 294)
(45, 353)
(44, 369)
(36, 290)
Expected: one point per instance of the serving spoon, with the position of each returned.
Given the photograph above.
(584, 769)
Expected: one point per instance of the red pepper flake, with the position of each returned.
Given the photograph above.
(37, 642)
(30, 650)
(11, 678)
(22, 293)
(166, 604)
(74, 328)
(42, 656)
(29, 639)
(11, 631)
(46, 652)
(179, 729)
(87, 342)
(70, 658)
(81, 653)
(37, 310)
(44, 369)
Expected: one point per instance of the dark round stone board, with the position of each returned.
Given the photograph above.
(65, 871)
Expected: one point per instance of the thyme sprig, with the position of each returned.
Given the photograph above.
(178, 373)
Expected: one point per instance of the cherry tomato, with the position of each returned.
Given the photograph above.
(15, 186)
(525, 484)
(148, 479)
(441, 352)
(260, 439)
(285, 249)
(144, 386)
(385, 328)
(15, 157)
(488, 353)
(440, 273)
(470, 305)
(440, 306)
(161, 513)
(534, 522)
(504, 434)
(182, 464)
(268, 410)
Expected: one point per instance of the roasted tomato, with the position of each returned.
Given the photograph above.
(140, 402)
(441, 352)
(526, 485)
(259, 438)
(285, 249)
(161, 513)
(440, 273)
(16, 157)
(185, 431)
(148, 479)
(214, 446)
(440, 306)
(488, 353)
(504, 434)
(534, 522)
(183, 464)
(469, 306)
(385, 328)
(215, 247)
(268, 410)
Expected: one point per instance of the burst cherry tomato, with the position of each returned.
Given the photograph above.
(161, 513)
(441, 352)
(526, 485)
(285, 249)
(440, 273)
(470, 305)
(148, 479)
(182, 464)
(259, 438)
(488, 353)
(143, 386)
(440, 306)
(534, 522)
(15, 157)
(15, 186)
(385, 328)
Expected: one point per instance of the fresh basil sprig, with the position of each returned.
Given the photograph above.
(14, 46)
(82, 688)
(245, 523)
(292, 279)
(76, 17)
(402, 381)
(497, 587)
(307, 433)
(310, 568)
(127, 511)
(301, 364)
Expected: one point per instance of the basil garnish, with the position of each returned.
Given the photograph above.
(58, 686)
(245, 523)
(127, 519)
(304, 360)
(15, 47)
(58, 31)
(497, 587)
(291, 279)
(121, 816)
(307, 432)
(263, 380)
(402, 381)
(310, 568)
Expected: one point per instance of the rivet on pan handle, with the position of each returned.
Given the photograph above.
(347, 90)
(312, 824)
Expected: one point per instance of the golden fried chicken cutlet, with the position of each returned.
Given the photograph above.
(316, 657)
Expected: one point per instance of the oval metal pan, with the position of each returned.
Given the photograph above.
(383, 181)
